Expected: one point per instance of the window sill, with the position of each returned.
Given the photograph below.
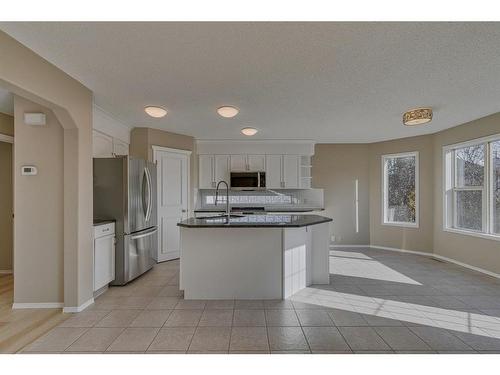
(402, 225)
(473, 234)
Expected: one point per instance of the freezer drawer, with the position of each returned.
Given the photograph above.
(139, 248)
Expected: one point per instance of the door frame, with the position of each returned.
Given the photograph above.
(187, 153)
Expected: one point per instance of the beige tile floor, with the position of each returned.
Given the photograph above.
(377, 302)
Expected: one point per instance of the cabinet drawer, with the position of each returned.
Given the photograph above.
(104, 230)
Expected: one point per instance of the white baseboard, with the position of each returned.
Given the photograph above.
(77, 309)
(474, 268)
(422, 253)
(401, 250)
(5, 272)
(41, 305)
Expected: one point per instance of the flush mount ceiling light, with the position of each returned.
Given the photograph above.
(249, 131)
(227, 111)
(417, 116)
(156, 112)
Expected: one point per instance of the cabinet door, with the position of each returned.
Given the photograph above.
(119, 147)
(104, 261)
(273, 171)
(102, 145)
(257, 163)
(221, 168)
(291, 165)
(238, 162)
(205, 172)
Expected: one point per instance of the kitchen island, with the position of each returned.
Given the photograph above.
(252, 256)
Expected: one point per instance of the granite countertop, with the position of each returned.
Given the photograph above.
(98, 222)
(255, 221)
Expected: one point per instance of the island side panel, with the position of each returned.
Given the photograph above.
(296, 260)
(320, 253)
(231, 263)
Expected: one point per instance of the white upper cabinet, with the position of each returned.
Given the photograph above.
(256, 163)
(290, 171)
(212, 169)
(273, 171)
(282, 171)
(119, 148)
(253, 163)
(206, 172)
(221, 168)
(105, 146)
(102, 145)
(238, 163)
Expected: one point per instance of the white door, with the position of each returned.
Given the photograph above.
(221, 168)
(206, 171)
(238, 162)
(257, 163)
(173, 197)
(273, 171)
(291, 165)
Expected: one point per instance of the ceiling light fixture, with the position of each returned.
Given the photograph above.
(156, 112)
(417, 116)
(249, 131)
(227, 111)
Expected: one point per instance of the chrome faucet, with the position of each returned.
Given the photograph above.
(228, 212)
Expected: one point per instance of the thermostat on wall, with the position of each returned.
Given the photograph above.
(29, 170)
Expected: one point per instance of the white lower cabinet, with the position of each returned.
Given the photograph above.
(104, 255)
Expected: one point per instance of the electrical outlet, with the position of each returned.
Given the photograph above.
(339, 238)
(332, 238)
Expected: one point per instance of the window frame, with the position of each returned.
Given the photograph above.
(385, 190)
(449, 189)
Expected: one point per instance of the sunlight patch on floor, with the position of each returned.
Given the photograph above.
(346, 263)
(455, 320)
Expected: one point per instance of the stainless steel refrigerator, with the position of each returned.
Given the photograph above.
(125, 190)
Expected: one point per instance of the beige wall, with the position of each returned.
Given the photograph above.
(6, 194)
(335, 168)
(38, 206)
(142, 140)
(479, 252)
(28, 75)
(417, 239)
(430, 236)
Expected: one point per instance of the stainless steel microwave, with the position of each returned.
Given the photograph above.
(248, 180)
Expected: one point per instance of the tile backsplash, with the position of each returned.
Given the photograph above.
(274, 198)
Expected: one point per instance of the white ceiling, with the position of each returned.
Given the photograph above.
(329, 82)
(6, 102)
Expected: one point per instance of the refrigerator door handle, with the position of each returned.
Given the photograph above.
(142, 235)
(150, 195)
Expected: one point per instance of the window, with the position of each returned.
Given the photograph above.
(472, 187)
(400, 189)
